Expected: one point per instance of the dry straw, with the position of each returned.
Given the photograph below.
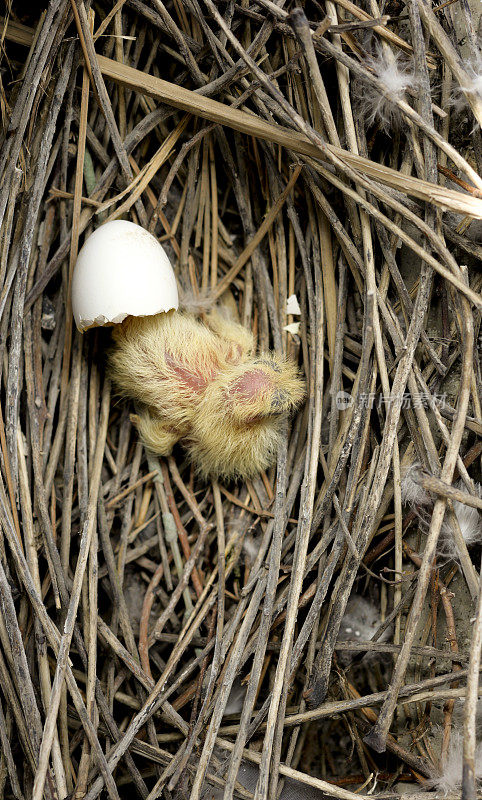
(331, 152)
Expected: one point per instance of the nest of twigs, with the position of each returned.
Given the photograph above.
(317, 630)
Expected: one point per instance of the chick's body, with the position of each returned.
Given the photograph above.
(203, 384)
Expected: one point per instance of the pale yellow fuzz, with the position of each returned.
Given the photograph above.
(202, 384)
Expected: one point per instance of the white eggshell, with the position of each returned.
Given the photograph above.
(292, 305)
(121, 270)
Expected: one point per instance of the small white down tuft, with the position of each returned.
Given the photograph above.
(473, 70)
(449, 780)
(470, 521)
(360, 622)
(397, 77)
(413, 493)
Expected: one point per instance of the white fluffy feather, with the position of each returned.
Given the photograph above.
(251, 548)
(359, 624)
(413, 493)
(450, 779)
(459, 712)
(474, 72)
(470, 521)
(360, 621)
(397, 76)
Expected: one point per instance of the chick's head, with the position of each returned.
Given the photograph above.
(261, 388)
(238, 428)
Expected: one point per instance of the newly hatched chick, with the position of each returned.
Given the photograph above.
(202, 383)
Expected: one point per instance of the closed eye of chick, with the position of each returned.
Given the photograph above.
(204, 386)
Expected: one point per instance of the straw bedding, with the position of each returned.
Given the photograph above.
(165, 635)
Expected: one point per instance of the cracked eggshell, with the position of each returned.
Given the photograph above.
(121, 271)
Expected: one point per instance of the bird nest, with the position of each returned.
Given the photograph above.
(315, 628)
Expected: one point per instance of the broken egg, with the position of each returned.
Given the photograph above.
(121, 271)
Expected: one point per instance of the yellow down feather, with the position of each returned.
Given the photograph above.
(202, 384)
